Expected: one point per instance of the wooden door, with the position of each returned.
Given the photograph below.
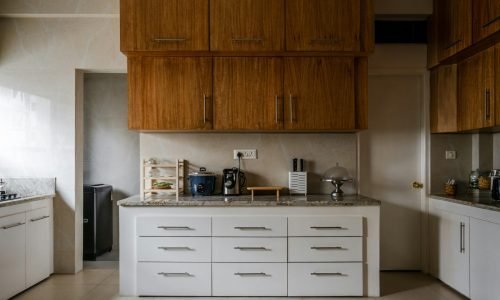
(170, 93)
(247, 25)
(455, 26)
(164, 25)
(248, 93)
(319, 93)
(486, 18)
(476, 91)
(323, 25)
(444, 99)
(497, 85)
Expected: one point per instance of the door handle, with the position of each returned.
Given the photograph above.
(328, 248)
(204, 109)
(462, 237)
(487, 104)
(13, 225)
(291, 108)
(251, 248)
(417, 185)
(40, 218)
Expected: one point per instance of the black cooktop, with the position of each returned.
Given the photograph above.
(6, 197)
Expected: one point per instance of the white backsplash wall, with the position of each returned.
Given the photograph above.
(274, 151)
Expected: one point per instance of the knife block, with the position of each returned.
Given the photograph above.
(297, 183)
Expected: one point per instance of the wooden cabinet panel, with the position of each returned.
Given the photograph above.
(164, 25)
(444, 99)
(248, 93)
(476, 91)
(323, 25)
(247, 25)
(486, 18)
(497, 85)
(455, 26)
(320, 93)
(169, 93)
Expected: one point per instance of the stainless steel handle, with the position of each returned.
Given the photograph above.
(251, 248)
(247, 39)
(487, 104)
(491, 21)
(261, 274)
(172, 40)
(204, 109)
(176, 248)
(175, 228)
(184, 274)
(327, 274)
(13, 225)
(328, 227)
(452, 44)
(276, 108)
(251, 228)
(40, 218)
(328, 248)
(462, 237)
(291, 108)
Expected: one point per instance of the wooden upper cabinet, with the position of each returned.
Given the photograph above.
(320, 93)
(164, 25)
(444, 99)
(486, 18)
(455, 26)
(476, 91)
(323, 25)
(170, 93)
(247, 25)
(497, 85)
(248, 93)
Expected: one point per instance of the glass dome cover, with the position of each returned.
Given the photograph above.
(337, 173)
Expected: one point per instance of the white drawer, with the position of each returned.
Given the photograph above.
(174, 249)
(249, 226)
(174, 279)
(325, 226)
(325, 249)
(249, 279)
(229, 249)
(174, 226)
(325, 279)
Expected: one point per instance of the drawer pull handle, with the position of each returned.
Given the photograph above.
(327, 248)
(259, 274)
(252, 228)
(252, 248)
(184, 274)
(327, 274)
(12, 225)
(40, 218)
(176, 248)
(328, 228)
(175, 228)
(172, 40)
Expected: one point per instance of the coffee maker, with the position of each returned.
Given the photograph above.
(233, 181)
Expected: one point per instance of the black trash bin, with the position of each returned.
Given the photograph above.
(97, 220)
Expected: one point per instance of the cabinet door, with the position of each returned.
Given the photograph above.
(476, 91)
(248, 93)
(444, 99)
(12, 255)
(486, 18)
(247, 25)
(320, 93)
(453, 250)
(163, 25)
(38, 245)
(170, 93)
(455, 26)
(323, 25)
(484, 260)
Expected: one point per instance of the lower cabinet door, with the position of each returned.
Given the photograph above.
(249, 279)
(325, 279)
(38, 245)
(12, 255)
(173, 279)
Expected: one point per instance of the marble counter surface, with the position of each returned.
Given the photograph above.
(25, 200)
(483, 201)
(245, 201)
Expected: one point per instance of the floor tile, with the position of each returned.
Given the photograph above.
(46, 291)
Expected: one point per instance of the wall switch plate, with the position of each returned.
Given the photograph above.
(247, 153)
(449, 154)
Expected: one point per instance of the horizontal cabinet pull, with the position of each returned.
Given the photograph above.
(251, 228)
(252, 248)
(175, 228)
(247, 40)
(176, 248)
(184, 274)
(172, 40)
(259, 274)
(491, 21)
(13, 225)
(328, 227)
(40, 218)
(327, 274)
(328, 248)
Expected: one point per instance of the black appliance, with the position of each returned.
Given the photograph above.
(233, 181)
(97, 220)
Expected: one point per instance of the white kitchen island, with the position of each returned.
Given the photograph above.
(205, 246)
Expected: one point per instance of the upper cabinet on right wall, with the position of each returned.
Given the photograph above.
(454, 19)
(486, 20)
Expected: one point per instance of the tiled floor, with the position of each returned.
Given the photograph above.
(99, 281)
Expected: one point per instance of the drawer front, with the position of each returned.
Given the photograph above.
(325, 279)
(250, 226)
(174, 279)
(174, 226)
(228, 249)
(325, 226)
(249, 279)
(174, 249)
(325, 249)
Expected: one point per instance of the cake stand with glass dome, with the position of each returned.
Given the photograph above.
(337, 176)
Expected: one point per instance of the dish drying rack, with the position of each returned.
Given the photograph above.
(162, 172)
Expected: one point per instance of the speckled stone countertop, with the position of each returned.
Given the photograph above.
(483, 201)
(245, 201)
(24, 200)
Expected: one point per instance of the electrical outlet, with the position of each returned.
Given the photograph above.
(449, 154)
(247, 154)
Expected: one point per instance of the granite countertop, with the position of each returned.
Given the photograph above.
(245, 201)
(482, 200)
(25, 200)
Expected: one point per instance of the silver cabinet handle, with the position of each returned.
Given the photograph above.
(176, 248)
(243, 39)
(327, 248)
(328, 227)
(487, 103)
(171, 40)
(462, 237)
(251, 228)
(184, 274)
(40, 218)
(327, 274)
(259, 274)
(291, 108)
(491, 21)
(13, 225)
(175, 228)
(204, 109)
(252, 248)
(276, 108)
